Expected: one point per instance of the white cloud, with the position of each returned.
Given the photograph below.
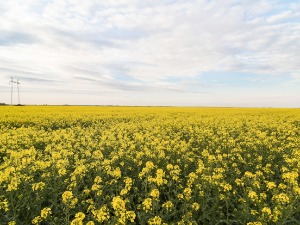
(149, 43)
(279, 17)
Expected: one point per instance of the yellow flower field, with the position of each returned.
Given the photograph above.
(149, 165)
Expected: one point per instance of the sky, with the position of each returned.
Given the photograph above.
(152, 52)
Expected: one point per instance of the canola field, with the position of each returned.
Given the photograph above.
(149, 165)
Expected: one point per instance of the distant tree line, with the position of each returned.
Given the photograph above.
(2, 104)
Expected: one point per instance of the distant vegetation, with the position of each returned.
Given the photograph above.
(2, 104)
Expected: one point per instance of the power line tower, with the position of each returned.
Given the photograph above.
(18, 85)
(11, 83)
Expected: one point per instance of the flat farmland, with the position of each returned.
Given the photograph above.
(149, 165)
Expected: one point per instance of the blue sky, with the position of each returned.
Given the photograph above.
(158, 52)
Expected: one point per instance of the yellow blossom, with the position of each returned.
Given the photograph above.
(281, 198)
(38, 186)
(130, 215)
(36, 220)
(271, 185)
(187, 192)
(195, 206)
(253, 196)
(90, 223)
(155, 221)
(168, 205)
(118, 204)
(102, 214)
(147, 204)
(266, 210)
(45, 212)
(67, 196)
(154, 193)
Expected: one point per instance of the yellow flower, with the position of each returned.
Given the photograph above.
(282, 186)
(195, 206)
(130, 215)
(180, 196)
(168, 205)
(281, 198)
(102, 214)
(80, 215)
(118, 204)
(253, 212)
(36, 220)
(96, 187)
(187, 192)
(117, 173)
(38, 186)
(86, 192)
(192, 178)
(73, 202)
(253, 196)
(147, 204)
(159, 177)
(276, 214)
(249, 174)
(169, 167)
(4, 205)
(175, 172)
(76, 221)
(263, 196)
(128, 181)
(67, 196)
(154, 193)
(128, 184)
(149, 165)
(155, 221)
(97, 180)
(45, 212)
(62, 172)
(290, 177)
(68, 199)
(271, 185)
(226, 187)
(266, 211)
(13, 185)
(122, 217)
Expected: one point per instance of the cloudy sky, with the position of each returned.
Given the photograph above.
(156, 52)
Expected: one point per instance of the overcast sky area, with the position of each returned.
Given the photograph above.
(157, 52)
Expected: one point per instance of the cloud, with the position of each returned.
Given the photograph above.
(133, 86)
(147, 46)
(15, 37)
(38, 80)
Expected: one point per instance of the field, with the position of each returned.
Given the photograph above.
(146, 165)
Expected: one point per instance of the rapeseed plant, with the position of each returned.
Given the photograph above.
(125, 165)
